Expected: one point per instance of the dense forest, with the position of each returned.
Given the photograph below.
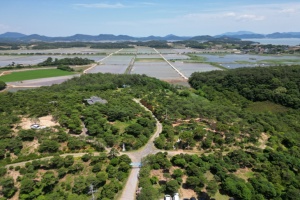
(277, 84)
(243, 147)
(239, 134)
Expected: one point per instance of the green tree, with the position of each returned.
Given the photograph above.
(212, 188)
(113, 153)
(172, 186)
(102, 177)
(134, 129)
(49, 146)
(2, 85)
(8, 187)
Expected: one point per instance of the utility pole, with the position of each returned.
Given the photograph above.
(166, 114)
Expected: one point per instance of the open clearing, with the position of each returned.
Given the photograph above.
(34, 74)
(42, 121)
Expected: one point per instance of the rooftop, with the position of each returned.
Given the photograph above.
(95, 99)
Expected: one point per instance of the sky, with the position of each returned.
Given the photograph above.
(148, 17)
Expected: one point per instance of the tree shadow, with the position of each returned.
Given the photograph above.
(203, 196)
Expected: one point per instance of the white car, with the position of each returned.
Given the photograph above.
(168, 197)
(176, 196)
(35, 126)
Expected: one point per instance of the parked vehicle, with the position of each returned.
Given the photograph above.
(176, 196)
(168, 197)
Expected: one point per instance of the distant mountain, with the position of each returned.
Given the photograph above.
(19, 37)
(276, 35)
(210, 38)
(12, 35)
(284, 35)
(84, 38)
(202, 38)
(238, 33)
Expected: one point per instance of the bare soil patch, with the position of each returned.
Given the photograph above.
(30, 147)
(263, 140)
(47, 121)
(244, 173)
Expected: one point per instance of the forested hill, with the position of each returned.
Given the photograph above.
(280, 85)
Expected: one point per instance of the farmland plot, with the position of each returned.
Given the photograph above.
(188, 68)
(69, 51)
(166, 51)
(114, 69)
(160, 70)
(114, 64)
(128, 51)
(176, 57)
(42, 81)
(145, 50)
(148, 56)
(33, 60)
(186, 50)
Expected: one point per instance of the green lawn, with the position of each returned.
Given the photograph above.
(33, 74)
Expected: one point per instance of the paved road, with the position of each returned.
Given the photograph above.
(132, 182)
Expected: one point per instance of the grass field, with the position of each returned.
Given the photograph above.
(266, 106)
(33, 74)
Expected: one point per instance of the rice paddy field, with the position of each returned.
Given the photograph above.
(117, 60)
(35, 59)
(188, 68)
(113, 69)
(128, 51)
(60, 51)
(145, 50)
(115, 64)
(246, 60)
(166, 51)
(148, 56)
(160, 70)
(176, 57)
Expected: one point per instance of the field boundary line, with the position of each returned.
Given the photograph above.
(181, 74)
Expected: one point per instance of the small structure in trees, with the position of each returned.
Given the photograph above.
(95, 99)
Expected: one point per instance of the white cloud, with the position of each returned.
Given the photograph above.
(101, 5)
(230, 14)
(247, 17)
